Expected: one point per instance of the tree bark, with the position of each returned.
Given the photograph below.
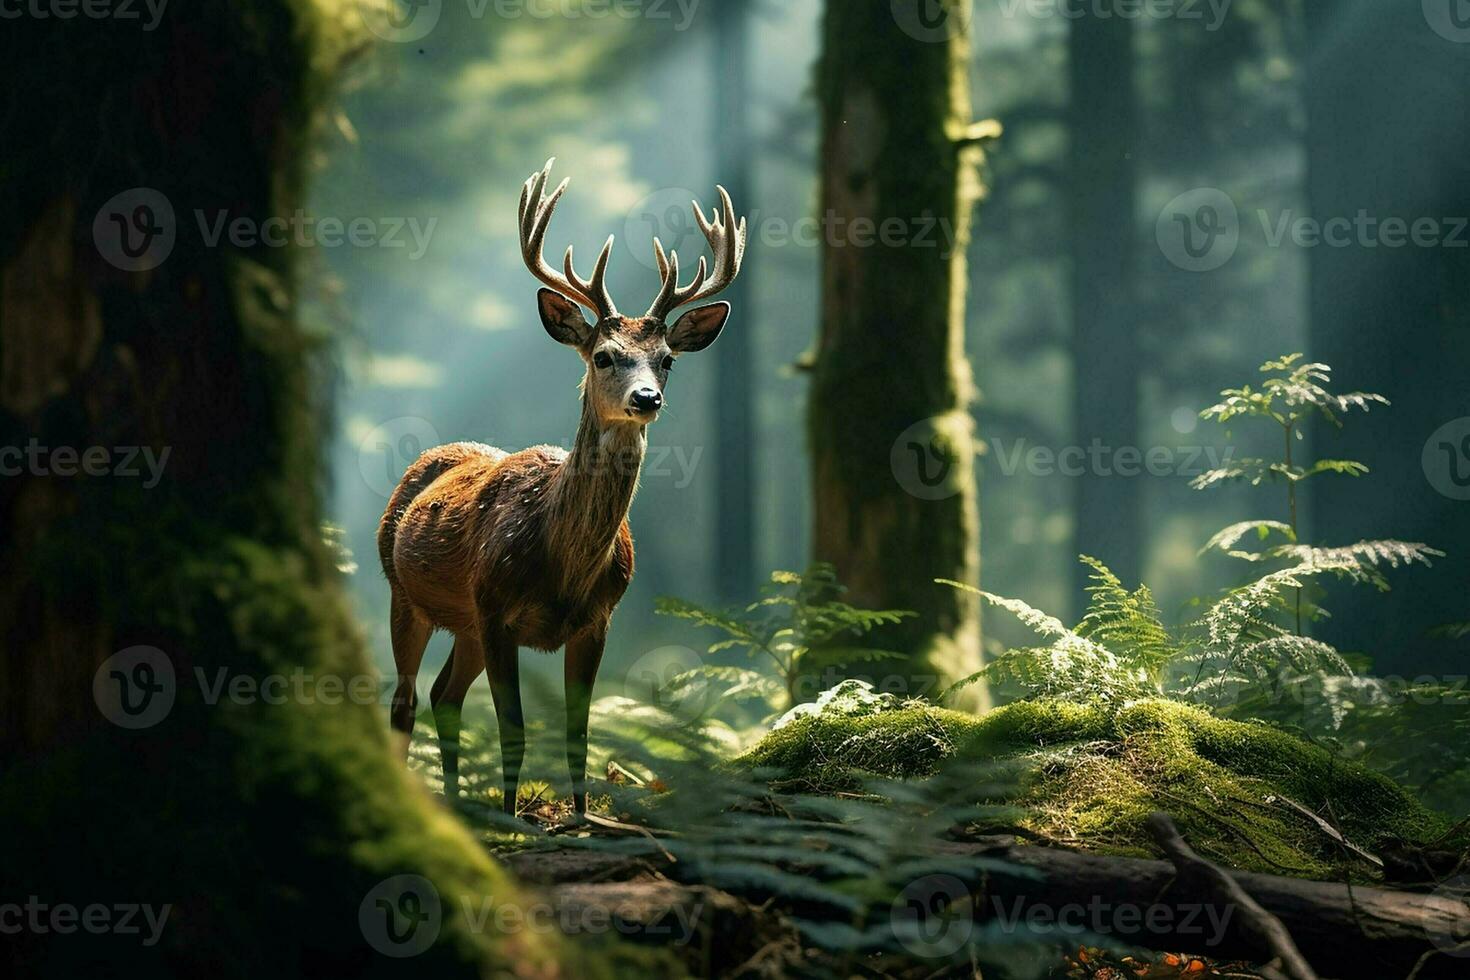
(1105, 353)
(233, 769)
(892, 440)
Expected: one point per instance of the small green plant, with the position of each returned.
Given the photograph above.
(1291, 395)
(799, 625)
(1122, 651)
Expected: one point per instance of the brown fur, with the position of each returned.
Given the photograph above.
(532, 548)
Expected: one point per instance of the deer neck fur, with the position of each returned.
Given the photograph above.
(590, 496)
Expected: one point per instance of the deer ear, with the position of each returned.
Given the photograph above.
(698, 328)
(563, 319)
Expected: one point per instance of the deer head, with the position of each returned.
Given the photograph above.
(629, 358)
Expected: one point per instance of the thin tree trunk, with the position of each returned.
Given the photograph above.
(1387, 95)
(892, 441)
(735, 525)
(1105, 354)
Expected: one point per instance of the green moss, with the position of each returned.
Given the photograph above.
(1088, 775)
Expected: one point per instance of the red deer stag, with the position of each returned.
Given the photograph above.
(506, 550)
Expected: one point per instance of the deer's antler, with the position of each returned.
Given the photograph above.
(726, 239)
(535, 216)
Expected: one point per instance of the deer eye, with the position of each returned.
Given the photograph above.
(668, 362)
(602, 359)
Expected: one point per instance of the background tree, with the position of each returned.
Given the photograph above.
(1385, 89)
(1105, 316)
(735, 528)
(263, 826)
(891, 435)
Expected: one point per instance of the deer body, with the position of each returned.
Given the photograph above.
(533, 548)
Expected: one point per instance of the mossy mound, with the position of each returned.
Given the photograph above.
(1088, 775)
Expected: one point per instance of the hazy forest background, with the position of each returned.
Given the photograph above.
(1086, 322)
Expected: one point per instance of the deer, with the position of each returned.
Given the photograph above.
(532, 549)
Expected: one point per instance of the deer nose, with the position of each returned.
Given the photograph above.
(646, 400)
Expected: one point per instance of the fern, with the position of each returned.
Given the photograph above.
(1292, 393)
(1119, 661)
(796, 625)
(1122, 650)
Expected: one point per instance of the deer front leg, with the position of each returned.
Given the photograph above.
(465, 663)
(502, 663)
(584, 655)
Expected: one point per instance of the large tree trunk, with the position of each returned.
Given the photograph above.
(1387, 96)
(1105, 355)
(889, 422)
(263, 826)
(735, 527)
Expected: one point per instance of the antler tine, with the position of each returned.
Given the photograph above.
(535, 213)
(596, 287)
(726, 239)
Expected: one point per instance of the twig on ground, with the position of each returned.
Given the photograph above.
(1255, 923)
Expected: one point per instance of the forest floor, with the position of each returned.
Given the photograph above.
(917, 842)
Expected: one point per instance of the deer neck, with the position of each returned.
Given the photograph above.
(590, 498)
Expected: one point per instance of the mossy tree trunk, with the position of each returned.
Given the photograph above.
(1105, 353)
(892, 441)
(262, 826)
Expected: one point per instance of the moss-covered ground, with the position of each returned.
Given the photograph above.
(1088, 775)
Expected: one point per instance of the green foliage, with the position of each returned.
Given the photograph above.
(1121, 650)
(1088, 774)
(799, 624)
(1292, 393)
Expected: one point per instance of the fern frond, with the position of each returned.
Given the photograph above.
(1363, 562)
(1127, 623)
(1227, 538)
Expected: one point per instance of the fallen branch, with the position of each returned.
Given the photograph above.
(1374, 933)
(1198, 877)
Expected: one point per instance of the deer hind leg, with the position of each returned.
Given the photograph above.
(502, 659)
(410, 637)
(584, 654)
(466, 662)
